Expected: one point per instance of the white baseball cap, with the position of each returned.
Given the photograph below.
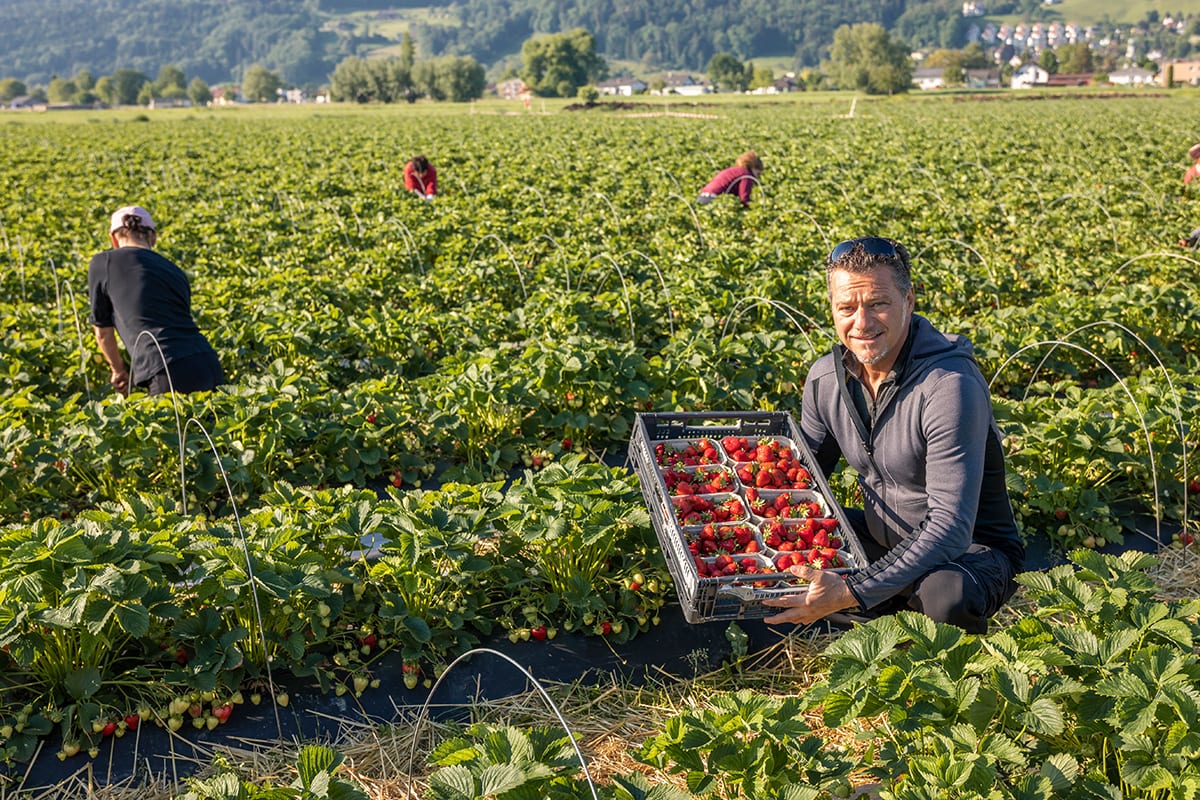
(118, 218)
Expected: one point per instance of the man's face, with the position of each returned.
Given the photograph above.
(871, 315)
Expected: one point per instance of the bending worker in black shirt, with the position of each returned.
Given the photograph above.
(146, 299)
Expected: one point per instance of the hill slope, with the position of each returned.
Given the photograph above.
(304, 39)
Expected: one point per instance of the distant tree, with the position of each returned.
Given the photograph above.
(1075, 58)
(61, 90)
(146, 94)
(762, 78)
(105, 90)
(199, 93)
(943, 58)
(260, 85)
(558, 64)
(351, 82)
(170, 82)
(727, 73)
(84, 80)
(126, 83)
(973, 57)
(459, 78)
(11, 88)
(425, 80)
(866, 57)
(1048, 61)
(377, 80)
(408, 55)
(954, 75)
(588, 94)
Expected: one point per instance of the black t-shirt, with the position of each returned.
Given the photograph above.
(135, 289)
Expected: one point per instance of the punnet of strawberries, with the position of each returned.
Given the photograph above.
(702, 509)
(716, 538)
(787, 504)
(700, 480)
(766, 463)
(687, 454)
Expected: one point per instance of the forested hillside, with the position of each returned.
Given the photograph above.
(303, 40)
(212, 39)
(684, 34)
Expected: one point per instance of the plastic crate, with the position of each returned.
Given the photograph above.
(733, 596)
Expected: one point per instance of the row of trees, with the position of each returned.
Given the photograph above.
(864, 57)
(127, 87)
(555, 65)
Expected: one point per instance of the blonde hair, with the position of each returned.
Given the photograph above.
(749, 160)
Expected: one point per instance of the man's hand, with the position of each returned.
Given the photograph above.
(120, 381)
(826, 594)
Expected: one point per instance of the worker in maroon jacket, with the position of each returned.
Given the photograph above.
(738, 179)
(420, 177)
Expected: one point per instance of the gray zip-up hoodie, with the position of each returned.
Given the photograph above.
(927, 453)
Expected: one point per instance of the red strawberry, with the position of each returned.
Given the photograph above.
(108, 728)
(538, 633)
(131, 721)
(222, 712)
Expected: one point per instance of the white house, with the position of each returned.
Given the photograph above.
(1028, 76)
(685, 84)
(625, 87)
(1131, 76)
(928, 78)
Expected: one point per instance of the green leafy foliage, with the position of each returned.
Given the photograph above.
(1088, 694)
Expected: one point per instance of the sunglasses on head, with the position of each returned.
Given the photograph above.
(872, 245)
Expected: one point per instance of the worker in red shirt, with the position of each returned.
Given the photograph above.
(738, 179)
(420, 177)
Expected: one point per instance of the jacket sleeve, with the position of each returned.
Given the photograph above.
(954, 426)
(410, 179)
(431, 180)
(820, 440)
(745, 184)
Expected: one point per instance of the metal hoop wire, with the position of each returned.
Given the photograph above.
(174, 406)
(423, 713)
(982, 260)
(820, 230)
(1075, 196)
(87, 384)
(662, 281)
(249, 569)
(511, 258)
(1170, 384)
(625, 289)
(695, 219)
(1129, 394)
(616, 217)
(552, 240)
(744, 304)
(1143, 256)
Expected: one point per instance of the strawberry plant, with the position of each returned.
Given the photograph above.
(487, 761)
(744, 745)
